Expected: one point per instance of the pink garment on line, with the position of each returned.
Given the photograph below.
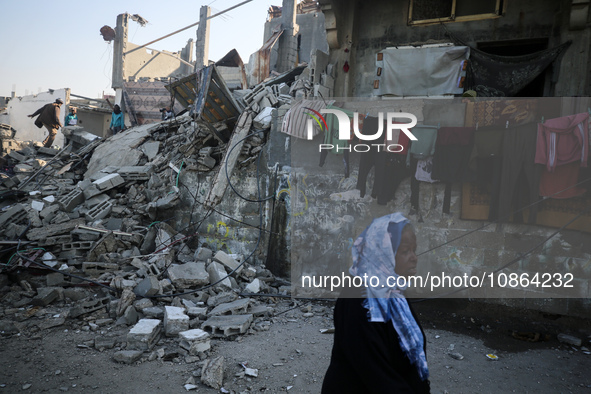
(563, 140)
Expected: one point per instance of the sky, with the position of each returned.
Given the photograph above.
(57, 44)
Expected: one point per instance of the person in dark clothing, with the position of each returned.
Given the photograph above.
(49, 116)
(379, 346)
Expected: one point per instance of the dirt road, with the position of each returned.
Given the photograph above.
(292, 355)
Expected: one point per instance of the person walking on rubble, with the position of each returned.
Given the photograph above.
(49, 116)
(117, 123)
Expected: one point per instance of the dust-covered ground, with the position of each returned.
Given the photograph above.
(293, 354)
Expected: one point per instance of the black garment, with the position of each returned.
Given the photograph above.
(366, 356)
(520, 179)
(390, 168)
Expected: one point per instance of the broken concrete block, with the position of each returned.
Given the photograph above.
(37, 205)
(47, 151)
(260, 311)
(93, 201)
(197, 311)
(569, 339)
(17, 156)
(78, 245)
(231, 308)
(109, 182)
(49, 212)
(130, 315)
(221, 298)
(91, 191)
(154, 311)
(225, 326)
(147, 287)
(228, 261)
(142, 304)
(254, 286)
(195, 341)
(136, 173)
(97, 269)
(212, 373)
(45, 296)
(263, 120)
(100, 211)
(188, 275)
(203, 254)
(89, 306)
(218, 275)
(16, 214)
(36, 234)
(150, 149)
(144, 335)
(127, 356)
(175, 320)
(101, 343)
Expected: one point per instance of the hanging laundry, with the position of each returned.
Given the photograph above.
(424, 146)
(451, 159)
(424, 170)
(390, 169)
(561, 182)
(520, 177)
(563, 140)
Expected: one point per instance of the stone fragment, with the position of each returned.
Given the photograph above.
(218, 274)
(212, 374)
(175, 320)
(254, 286)
(228, 261)
(45, 296)
(127, 356)
(231, 308)
(188, 275)
(144, 335)
(147, 287)
(569, 339)
(154, 312)
(195, 341)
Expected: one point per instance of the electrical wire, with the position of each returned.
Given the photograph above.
(228, 176)
(518, 258)
(242, 262)
(501, 218)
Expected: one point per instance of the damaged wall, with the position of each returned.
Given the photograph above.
(326, 214)
(131, 64)
(356, 25)
(19, 107)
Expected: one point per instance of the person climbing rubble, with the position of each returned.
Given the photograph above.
(49, 116)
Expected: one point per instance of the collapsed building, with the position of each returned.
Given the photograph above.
(182, 221)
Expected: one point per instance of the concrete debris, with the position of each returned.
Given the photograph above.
(100, 245)
(212, 374)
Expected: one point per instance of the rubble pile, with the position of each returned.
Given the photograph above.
(84, 243)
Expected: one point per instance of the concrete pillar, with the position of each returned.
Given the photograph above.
(187, 55)
(202, 45)
(119, 48)
(288, 40)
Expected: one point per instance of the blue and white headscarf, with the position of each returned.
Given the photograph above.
(374, 254)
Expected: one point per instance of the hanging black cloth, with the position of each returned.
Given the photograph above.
(504, 76)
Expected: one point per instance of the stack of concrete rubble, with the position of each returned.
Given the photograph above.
(89, 213)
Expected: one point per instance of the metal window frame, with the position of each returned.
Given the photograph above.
(499, 11)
